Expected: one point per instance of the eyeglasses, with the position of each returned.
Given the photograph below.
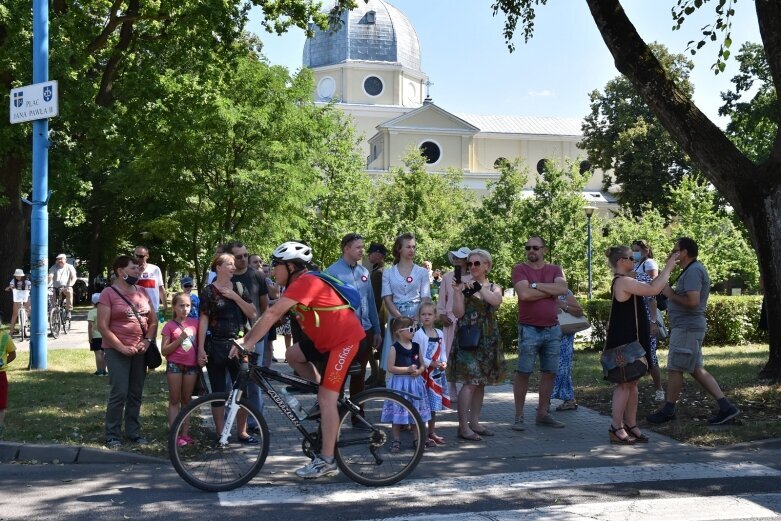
(535, 248)
(410, 329)
(275, 263)
(189, 286)
(470, 264)
(626, 258)
(142, 256)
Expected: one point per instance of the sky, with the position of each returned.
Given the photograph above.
(465, 56)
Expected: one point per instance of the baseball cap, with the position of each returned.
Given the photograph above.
(186, 281)
(461, 253)
(95, 298)
(377, 247)
(62, 256)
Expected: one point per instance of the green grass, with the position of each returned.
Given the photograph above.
(734, 367)
(67, 404)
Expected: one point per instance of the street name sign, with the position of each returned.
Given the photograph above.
(31, 102)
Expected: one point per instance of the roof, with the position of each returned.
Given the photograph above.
(374, 31)
(525, 125)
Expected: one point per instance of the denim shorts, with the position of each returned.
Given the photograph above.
(542, 341)
(174, 368)
(685, 354)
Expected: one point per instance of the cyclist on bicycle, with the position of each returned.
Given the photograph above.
(332, 333)
(22, 283)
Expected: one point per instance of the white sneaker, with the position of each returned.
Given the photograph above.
(316, 468)
(518, 425)
(659, 396)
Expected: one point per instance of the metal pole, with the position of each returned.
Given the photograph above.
(588, 225)
(39, 235)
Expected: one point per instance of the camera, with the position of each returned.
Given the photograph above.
(476, 286)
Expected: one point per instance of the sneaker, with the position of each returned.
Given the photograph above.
(186, 438)
(140, 440)
(568, 405)
(548, 421)
(659, 396)
(113, 444)
(316, 468)
(181, 442)
(659, 417)
(518, 425)
(98, 373)
(724, 416)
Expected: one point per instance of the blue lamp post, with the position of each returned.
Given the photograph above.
(589, 212)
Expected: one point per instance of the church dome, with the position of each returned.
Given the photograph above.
(375, 31)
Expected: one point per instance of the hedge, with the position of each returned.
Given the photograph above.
(731, 320)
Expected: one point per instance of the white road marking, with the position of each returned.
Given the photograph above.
(718, 508)
(490, 485)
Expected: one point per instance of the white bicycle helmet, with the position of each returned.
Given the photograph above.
(292, 251)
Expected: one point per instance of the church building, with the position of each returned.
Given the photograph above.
(371, 69)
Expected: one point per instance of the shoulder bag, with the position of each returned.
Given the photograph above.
(624, 363)
(570, 324)
(152, 357)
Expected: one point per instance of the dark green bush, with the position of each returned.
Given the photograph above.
(731, 320)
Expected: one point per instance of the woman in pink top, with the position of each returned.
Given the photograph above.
(128, 324)
(179, 346)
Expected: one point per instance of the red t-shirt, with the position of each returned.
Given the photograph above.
(543, 312)
(336, 328)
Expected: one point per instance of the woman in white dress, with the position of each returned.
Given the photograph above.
(403, 286)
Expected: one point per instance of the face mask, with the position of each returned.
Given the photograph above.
(130, 280)
(636, 255)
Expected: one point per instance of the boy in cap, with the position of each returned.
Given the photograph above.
(187, 287)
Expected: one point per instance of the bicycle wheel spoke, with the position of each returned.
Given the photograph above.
(203, 462)
(369, 456)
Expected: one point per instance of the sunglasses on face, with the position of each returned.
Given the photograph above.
(141, 256)
(535, 248)
(470, 264)
(410, 329)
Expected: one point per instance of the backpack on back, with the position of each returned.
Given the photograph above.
(348, 293)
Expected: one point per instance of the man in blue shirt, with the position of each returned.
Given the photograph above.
(349, 270)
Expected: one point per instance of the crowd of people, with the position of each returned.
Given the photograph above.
(442, 352)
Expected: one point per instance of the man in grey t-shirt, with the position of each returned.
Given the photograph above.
(686, 309)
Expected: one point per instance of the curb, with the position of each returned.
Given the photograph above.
(17, 451)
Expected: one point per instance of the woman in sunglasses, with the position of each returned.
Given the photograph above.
(476, 359)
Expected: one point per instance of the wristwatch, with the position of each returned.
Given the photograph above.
(533, 285)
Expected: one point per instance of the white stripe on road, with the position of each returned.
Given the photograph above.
(717, 508)
(490, 485)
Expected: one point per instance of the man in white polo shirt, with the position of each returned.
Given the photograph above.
(151, 278)
(63, 275)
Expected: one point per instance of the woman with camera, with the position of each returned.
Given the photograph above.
(476, 358)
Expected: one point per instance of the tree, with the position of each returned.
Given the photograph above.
(433, 206)
(752, 187)
(623, 135)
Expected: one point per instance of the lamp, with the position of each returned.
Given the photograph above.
(589, 211)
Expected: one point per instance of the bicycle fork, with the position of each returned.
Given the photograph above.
(231, 410)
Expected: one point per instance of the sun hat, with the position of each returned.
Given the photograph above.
(19, 272)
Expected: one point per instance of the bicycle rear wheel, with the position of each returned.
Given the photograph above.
(54, 322)
(203, 462)
(364, 447)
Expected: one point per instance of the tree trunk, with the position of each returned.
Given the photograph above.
(13, 225)
(754, 191)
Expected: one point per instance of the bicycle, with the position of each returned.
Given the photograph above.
(59, 320)
(21, 296)
(217, 461)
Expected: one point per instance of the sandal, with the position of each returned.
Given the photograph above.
(484, 432)
(395, 447)
(471, 437)
(567, 405)
(639, 438)
(439, 440)
(430, 443)
(618, 440)
(249, 440)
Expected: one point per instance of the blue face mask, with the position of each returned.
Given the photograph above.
(636, 255)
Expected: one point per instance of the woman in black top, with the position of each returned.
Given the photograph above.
(225, 309)
(628, 323)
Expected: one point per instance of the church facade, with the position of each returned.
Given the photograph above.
(371, 70)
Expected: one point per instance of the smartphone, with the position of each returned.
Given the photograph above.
(457, 274)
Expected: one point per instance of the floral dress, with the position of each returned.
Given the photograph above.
(562, 387)
(484, 365)
(653, 361)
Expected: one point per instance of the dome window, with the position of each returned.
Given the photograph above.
(373, 86)
(371, 17)
(431, 152)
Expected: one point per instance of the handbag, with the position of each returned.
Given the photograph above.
(201, 387)
(469, 337)
(663, 333)
(152, 357)
(624, 363)
(570, 324)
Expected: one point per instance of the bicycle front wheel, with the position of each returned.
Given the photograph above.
(201, 460)
(66, 322)
(365, 451)
(54, 323)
